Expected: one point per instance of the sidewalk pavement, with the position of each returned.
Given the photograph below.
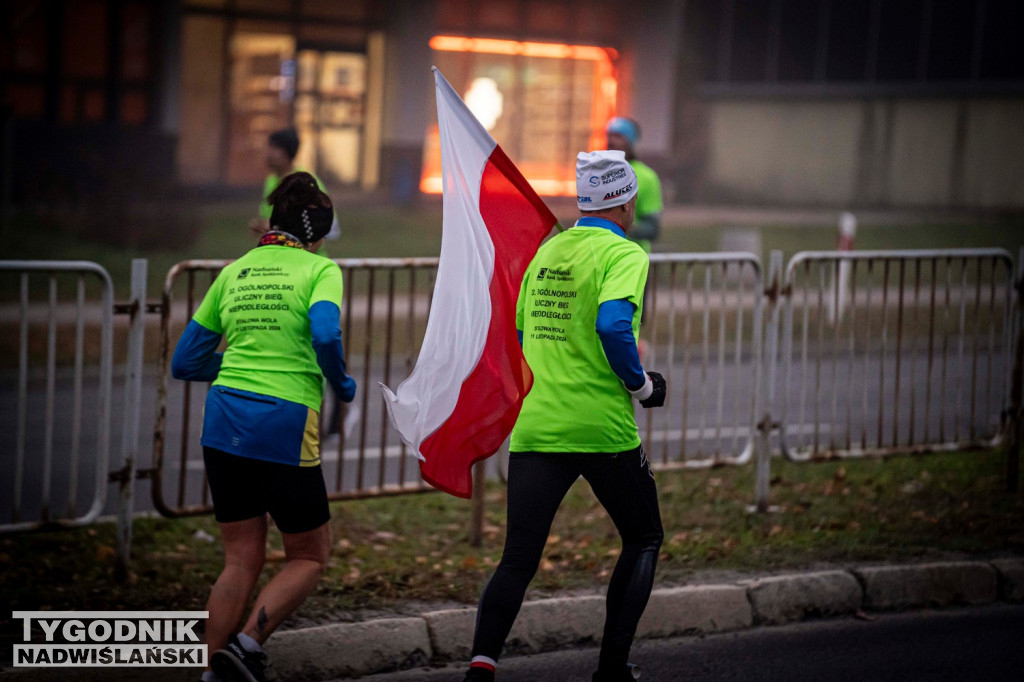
(348, 650)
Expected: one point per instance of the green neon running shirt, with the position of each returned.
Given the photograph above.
(577, 403)
(648, 189)
(261, 304)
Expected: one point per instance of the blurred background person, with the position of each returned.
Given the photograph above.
(623, 134)
(282, 147)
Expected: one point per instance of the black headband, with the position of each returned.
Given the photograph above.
(308, 224)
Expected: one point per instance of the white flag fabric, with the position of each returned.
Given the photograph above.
(466, 390)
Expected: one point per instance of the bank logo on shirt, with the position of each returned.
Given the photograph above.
(243, 273)
(541, 273)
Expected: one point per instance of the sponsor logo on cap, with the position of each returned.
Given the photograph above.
(619, 192)
(583, 200)
(594, 182)
(612, 176)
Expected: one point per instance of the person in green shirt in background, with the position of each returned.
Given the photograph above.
(282, 147)
(623, 134)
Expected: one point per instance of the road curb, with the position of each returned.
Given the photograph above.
(926, 585)
(333, 652)
(1011, 579)
(695, 610)
(784, 599)
(545, 625)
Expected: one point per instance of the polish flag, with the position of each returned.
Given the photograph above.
(464, 394)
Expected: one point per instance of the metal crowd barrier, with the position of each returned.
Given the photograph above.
(919, 359)
(702, 330)
(838, 355)
(68, 434)
(886, 352)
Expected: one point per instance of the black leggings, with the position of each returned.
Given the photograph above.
(537, 482)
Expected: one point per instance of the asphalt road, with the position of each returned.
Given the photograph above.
(968, 645)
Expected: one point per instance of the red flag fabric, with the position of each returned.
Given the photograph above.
(467, 388)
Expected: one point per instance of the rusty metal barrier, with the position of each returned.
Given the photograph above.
(702, 330)
(384, 313)
(915, 357)
(878, 353)
(63, 413)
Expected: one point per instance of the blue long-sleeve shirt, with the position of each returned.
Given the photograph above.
(615, 329)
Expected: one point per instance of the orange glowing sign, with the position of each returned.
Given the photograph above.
(548, 177)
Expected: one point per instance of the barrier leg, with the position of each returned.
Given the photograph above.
(132, 405)
(1015, 418)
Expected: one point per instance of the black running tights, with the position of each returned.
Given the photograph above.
(537, 482)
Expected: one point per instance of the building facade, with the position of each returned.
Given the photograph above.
(794, 102)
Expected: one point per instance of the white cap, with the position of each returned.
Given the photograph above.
(603, 179)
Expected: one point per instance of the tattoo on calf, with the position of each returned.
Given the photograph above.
(261, 622)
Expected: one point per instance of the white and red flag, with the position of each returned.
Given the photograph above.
(466, 390)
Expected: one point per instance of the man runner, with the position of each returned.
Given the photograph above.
(578, 316)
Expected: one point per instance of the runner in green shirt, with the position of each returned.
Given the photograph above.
(578, 315)
(623, 134)
(278, 307)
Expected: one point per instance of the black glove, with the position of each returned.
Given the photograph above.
(657, 397)
(652, 393)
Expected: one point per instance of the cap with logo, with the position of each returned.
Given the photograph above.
(603, 179)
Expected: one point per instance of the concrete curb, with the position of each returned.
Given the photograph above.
(332, 651)
(789, 598)
(443, 636)
(354, 649)
(1011, 579)
(903, 587)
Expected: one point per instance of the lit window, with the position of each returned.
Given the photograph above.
(542, 102)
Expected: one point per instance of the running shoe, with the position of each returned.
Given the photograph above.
(234, 663)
